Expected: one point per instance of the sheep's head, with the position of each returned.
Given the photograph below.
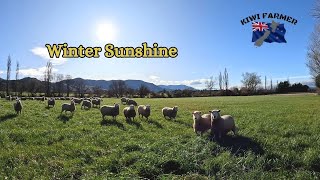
(196, 115)
(116, 105)
(131, 107)
(175, 108)
(148, 106)
(215, 114)
(72, 102)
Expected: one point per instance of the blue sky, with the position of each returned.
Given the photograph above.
(208, 35)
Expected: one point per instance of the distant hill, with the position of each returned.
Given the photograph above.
(176, 87)
(134, 84)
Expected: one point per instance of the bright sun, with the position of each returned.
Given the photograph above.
(106, 32)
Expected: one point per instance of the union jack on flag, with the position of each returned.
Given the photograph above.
(260, 26)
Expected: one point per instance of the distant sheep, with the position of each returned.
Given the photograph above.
(131, 101)
(170, 112)
(129, 112)
(96, 102)
(68, 107)
(17, 106)
(201, 123)
(51, 102)
(77, 100)
(86, 104)
(221, 125)
(124, 100)
(144, 110)
(110, 111)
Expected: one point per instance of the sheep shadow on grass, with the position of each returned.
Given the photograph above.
(7, 117)
(112, 123)
(64, 118)
(153, 122)
(239, 145)
(135, 123)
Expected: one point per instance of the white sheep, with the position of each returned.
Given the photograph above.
(68, 107)
(129, 112)
(96, 101)
(17, 106)
(144, 110)
(221, 125)
(86, 104)
(110, 111)
(170, 112)
(77, 100)
(124, 100)
(51, 102)
(201, 123)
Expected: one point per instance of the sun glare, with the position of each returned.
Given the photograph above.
(106, 32)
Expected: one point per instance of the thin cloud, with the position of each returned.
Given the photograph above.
(43, 53)
(195, 83)
(35, 72)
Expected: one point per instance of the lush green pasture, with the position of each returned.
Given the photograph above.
(279, 137)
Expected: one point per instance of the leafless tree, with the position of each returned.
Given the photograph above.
(220, 81)
(16, 86)
(313, 52)
(80, 86)
(226, 79)
(48, 77)
(68, 83)
(143, 91)
(265, 82)
(118, 88)
(251, 81)
(271, 88)
(59, 84)
(316, 10)
(210, 83)
(8, 74)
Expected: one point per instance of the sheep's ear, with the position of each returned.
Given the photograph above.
(210, 111)
(219, 110)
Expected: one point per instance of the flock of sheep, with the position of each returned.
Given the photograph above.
(219, 125)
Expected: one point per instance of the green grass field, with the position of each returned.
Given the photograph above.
(278, 138)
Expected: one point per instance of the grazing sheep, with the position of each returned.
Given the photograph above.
(201, 123)
(170, 112)
(129, 112)
(68, 107)
(77, 100)
(124, 100)
(96, 102)
(131, 101)
(17, 106)
(110, 111)
(51, 102)
(144, 111)
(221, 125)
(86, 104)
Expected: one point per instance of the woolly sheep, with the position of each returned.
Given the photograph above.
(221, 125)
(77, 100)
(124, 100)
(170, 112)
(201, 123)
(144, 111)
(17, 106)
(110, 111)
(86, 104)
(131, 102)
(96, 102)
(129, 112)
(68, 107)
(51, 102)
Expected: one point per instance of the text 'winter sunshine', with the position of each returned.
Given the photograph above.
(62, 50)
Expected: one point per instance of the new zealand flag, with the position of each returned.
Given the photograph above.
(270, 32)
